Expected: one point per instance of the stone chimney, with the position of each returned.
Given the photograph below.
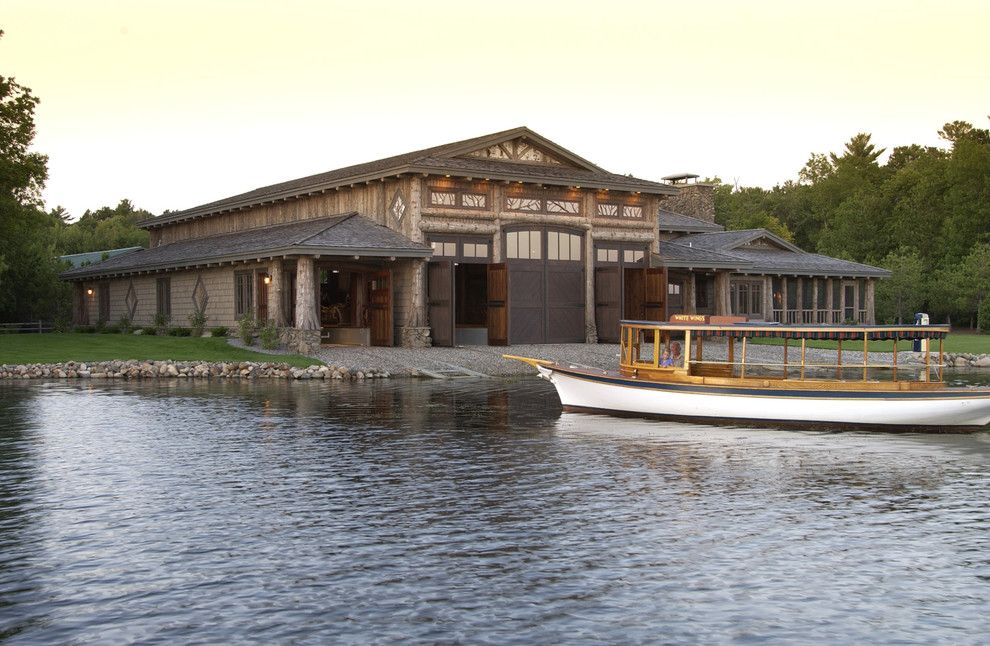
(694, 198)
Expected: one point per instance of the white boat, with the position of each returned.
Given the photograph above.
(859, 395)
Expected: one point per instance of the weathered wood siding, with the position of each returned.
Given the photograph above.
(371, 200)
(218, 282)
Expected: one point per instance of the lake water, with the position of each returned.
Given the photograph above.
(470, 511)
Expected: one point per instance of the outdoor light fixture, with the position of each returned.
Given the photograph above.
(267, 279)
(89, 292)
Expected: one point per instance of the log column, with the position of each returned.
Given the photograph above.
(871, 301)
(829, 301)
(691, 294)
(276, 312)
(306, 317)
(723, 303)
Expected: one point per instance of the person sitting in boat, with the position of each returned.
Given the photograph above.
(666, 360)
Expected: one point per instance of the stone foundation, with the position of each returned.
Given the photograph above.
(300, 341)
(415, 337)
(133, 369)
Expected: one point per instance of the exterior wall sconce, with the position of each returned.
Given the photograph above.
(267, 279)
(89, 291)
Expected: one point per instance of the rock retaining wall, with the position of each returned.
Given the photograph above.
(182, 370)
(966, 360)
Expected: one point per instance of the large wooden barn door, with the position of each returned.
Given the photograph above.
(381, 308)
(565, 302)
(608, 300)
(498, 304)
(527, 291)
(654, 305)
(634, 290)
(440, 301)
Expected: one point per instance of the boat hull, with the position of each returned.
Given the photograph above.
(944, 410)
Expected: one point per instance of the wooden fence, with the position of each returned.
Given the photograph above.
(29, 326)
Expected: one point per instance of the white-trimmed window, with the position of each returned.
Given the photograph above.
(563, 246)
(523, 245)
(444, 248)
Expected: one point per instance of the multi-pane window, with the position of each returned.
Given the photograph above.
(633, 255)
(563, 246)
(458, 195)
(242, 293)
(441, 248)
(523, 244)
(528, 201)
(475, 250)
(524, 204)
(615, 208)
(460, 248)
(607, 255)
(163, 297)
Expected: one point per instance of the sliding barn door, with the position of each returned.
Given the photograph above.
(440, 301)
(498, 304)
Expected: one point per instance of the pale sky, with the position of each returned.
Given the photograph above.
(175, 103)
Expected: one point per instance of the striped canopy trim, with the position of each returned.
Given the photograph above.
(828, 335)
(811, 332)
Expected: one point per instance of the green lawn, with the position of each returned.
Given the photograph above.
(56, 348)
(955, 343)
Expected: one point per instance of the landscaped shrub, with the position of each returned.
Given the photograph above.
(219, 331)
(179, 331)
(197, 321)
(245, 329)
(161, 323)
(268, 333)
(150, 330)
(124, 325)
(86, 329)
(983, 316)
(108, 329)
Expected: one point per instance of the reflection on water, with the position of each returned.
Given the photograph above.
(469, 511)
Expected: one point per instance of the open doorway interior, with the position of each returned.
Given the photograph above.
(471, 304)
(344, 311)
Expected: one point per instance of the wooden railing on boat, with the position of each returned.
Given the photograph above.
(642, 344)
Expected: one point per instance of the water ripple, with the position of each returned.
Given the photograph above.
(469, 512)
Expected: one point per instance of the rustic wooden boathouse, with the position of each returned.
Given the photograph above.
(502, 239)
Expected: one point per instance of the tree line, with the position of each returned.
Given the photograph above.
(924, 214)
(32, 239)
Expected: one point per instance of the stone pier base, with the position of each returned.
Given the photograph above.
(415, 337)
(301, 341)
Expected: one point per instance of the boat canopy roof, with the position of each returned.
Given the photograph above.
(817, 332)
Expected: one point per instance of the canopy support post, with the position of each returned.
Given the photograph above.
(941, 360)
(742, 369)
(866, 352)
(804, 347)
(785, 357)
(895, 358)
(838, 364)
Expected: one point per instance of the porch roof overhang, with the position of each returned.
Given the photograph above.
(678, 256)
(344, 236)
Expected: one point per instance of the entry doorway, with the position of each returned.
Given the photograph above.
(626, 288)
(457, 286)
(355, 305)
(458, 302)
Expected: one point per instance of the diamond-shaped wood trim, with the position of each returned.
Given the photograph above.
(131, 300)
(199, 296)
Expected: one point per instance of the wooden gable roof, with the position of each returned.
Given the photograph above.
(346, 234)
(468, 157)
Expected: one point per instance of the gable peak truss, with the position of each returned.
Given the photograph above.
(518, 150)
